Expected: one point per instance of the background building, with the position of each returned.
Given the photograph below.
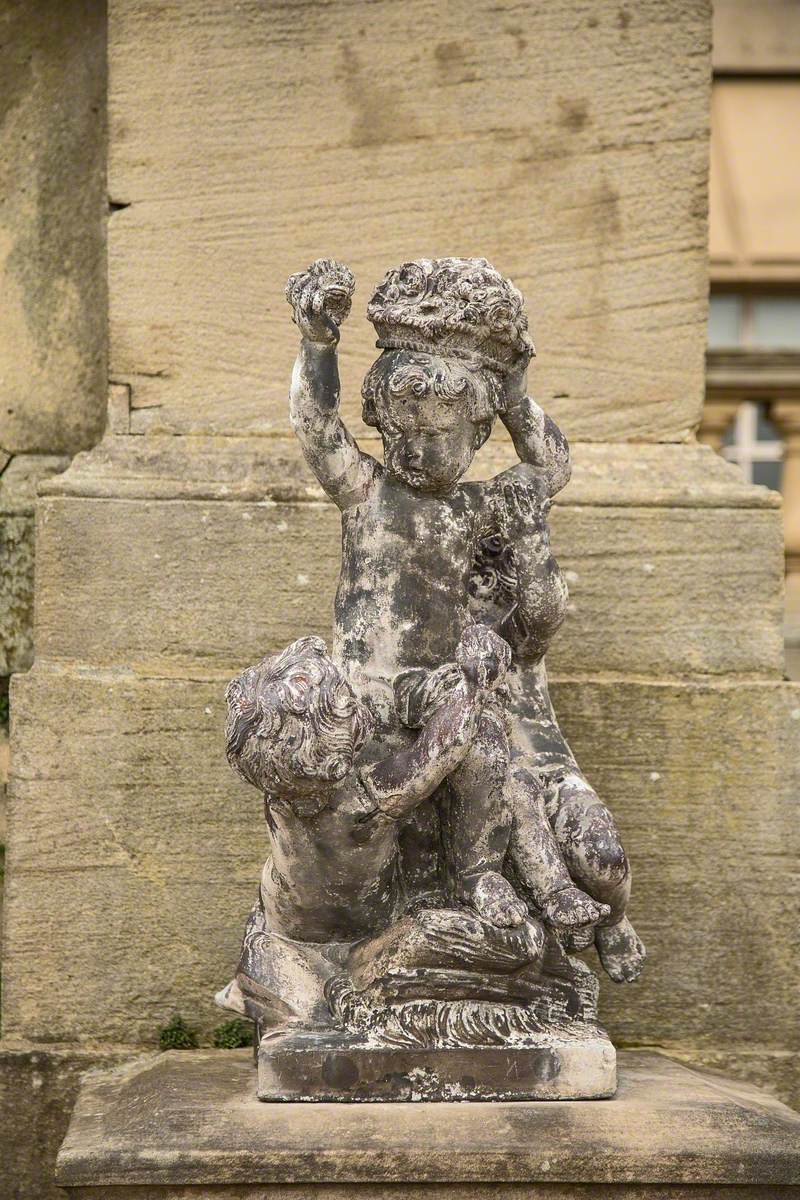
(752, 410)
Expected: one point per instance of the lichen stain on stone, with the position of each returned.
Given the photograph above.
(520, 41)
(381, 116)
(573, 113)
(606, 207)
(451, 63)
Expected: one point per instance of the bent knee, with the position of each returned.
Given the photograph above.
(588, 836)
(612, 861)
(601, 848)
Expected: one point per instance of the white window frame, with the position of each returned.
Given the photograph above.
(746, 447)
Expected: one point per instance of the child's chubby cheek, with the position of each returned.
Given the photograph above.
(430, 463)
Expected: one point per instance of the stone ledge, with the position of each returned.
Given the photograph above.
(263, 469)
(20, 475)
(38, 1086)
(192, 1120)
(666, 586)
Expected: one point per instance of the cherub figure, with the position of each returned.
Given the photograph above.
(507, 570)
(296, 730)
(454, 339)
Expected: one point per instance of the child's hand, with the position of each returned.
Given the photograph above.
(320, 298)
(515, 384)
(484, 657)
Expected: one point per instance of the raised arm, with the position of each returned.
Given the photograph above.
(536, 437)
(541, 588)
(398, 783)
(320, 298)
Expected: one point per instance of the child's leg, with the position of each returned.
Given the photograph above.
(592, 850)
(537, 861)
(476, 824)
(589, 842)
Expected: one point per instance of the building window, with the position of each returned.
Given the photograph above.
(754, 354)
(749, 321)
(753, 443)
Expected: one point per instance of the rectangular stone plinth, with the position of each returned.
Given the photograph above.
(185, 1121)
(331, 1066)
(588, 187)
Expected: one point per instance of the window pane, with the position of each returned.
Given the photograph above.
(768, 473)
(776, 322)
(765, 430)
(724, 317)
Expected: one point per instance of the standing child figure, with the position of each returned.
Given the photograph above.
(455, 347)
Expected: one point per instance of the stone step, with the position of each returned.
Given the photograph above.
(217, 551)
(179, 1122)
(135, 854)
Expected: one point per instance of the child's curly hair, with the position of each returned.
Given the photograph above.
(296, 700)
(404, 373)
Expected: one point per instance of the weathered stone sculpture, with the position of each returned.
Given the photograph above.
(437, 855)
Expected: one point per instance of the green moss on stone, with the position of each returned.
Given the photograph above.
(233, 1034)
(177, 1035)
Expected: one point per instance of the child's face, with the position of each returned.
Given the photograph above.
(428, 443)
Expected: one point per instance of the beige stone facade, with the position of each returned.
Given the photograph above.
(52, 283)
(752, 410)
(569, 143)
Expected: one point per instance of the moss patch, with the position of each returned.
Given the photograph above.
(177, 1035)
(233, 1034)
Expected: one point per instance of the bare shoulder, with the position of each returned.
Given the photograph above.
(533, 481)
(356, 483)
(477, 492)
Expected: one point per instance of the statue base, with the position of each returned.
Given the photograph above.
(188, 1123)
(333, 1066)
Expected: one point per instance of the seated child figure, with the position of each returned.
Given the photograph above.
(452, 333)
(511, 587)
(297, 731)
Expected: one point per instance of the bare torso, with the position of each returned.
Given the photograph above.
(402, 595)
(332, 876)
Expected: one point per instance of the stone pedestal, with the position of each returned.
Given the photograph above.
(333, 1066)
(189, 1125)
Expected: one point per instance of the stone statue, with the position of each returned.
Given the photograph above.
(437, 856)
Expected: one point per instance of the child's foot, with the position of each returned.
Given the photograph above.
(571, 908)
(621, 951)
(494, 899)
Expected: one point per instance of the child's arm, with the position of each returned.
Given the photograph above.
(400, 782)
(536, 437)
(542, 591)
(320, 299)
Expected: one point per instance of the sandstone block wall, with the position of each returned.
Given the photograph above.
(145, 856)
(52, 251)
(38, 1087)
(52, 273)
(566, 142)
